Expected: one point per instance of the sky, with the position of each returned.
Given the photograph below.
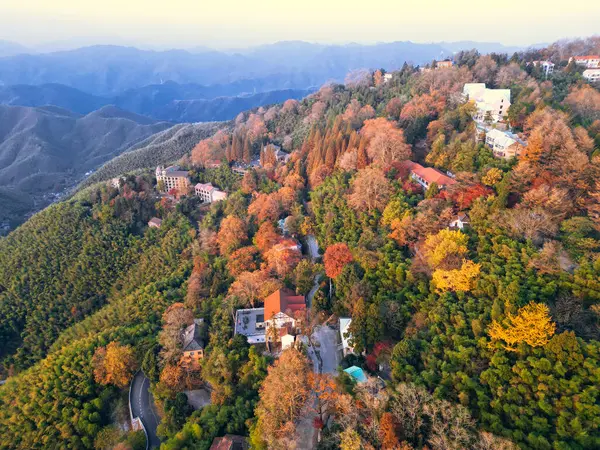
(242, 23)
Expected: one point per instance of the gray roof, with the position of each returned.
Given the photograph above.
(192, 339)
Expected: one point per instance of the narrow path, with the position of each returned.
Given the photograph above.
(142, 406)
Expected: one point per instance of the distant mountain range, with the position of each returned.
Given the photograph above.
(64, 114)
(43, 150)
(111, 70)
(170, 101)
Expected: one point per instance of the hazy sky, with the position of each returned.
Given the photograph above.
(240, 23)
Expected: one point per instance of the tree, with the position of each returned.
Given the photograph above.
(457, 279)
(585, 102)
(446, 249)
(232, 234)
(283, 257)
(531, 325)
(175, 319)
(250, 287)
(370, 190)
(266, 237)
(242, 260)
(283, 395)
(493, 176)
(114, 364)
(304, 276)
(386, 142)
(389, 437)
(350, 440)
(325, 390)
(336, 257)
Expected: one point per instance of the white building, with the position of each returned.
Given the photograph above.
(345, 335)
(208, 193)
(287, 341)
(589, 61)
(503, 144)
(493, 101)
(460, 221)
(173, 178)
(251, 323)
(592, 75)
(387, 77)
(546, 66)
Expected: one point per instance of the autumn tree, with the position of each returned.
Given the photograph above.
(232, 234)
(114, 364)
(584, 101)
(251, 287)
(531, 325)
(175, 319)
(370, 190)
(283, 396)
(336, 257)
(389, 436)
(386, 142)
(446, 249)
(242, 260)
(283, 257)
(266, 237)
(462, 279)
(492, 176)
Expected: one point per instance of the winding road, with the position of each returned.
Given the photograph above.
(142, 406)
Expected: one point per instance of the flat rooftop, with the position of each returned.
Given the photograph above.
(246, 321)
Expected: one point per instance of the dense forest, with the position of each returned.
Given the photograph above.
(485, 336)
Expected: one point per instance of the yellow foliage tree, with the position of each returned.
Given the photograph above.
(492, 176)
(531, 325)
(114, 364)
(445, 249)
(457, 279)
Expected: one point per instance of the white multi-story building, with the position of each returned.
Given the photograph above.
(546, 66)
(489, 102)
(173, 178)
(589, 61)
(503, 144)
(592, 75)
(208, 193)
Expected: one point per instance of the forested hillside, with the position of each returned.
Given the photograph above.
(475, 302)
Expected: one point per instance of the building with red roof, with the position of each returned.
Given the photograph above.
(589, 61)
(425, 176)
(230, 442)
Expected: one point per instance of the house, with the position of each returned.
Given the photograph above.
(387, 77)
(345, 336)
(155, 222)
(460, 221)
(503, 143)
(444, 64)
(208, 193)
(357, 374)
(592, 75)
(425, 176)
(589, 61)
(172, 178)
(282, 308)
(250, 322)
(193, 345)
(230, 442)
(546, 66)
(490, 103)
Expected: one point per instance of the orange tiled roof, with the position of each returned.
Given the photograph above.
(432, 175)
(283, 300)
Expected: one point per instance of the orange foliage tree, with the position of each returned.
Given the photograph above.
(114, 364)
(242, 260)
(335, 259)
(232, 234)
(370, 190)
(386, 142)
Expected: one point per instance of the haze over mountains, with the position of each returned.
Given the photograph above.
(65, 113)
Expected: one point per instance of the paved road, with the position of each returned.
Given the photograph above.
(313, 246)
(142, 406)
(327, 348)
